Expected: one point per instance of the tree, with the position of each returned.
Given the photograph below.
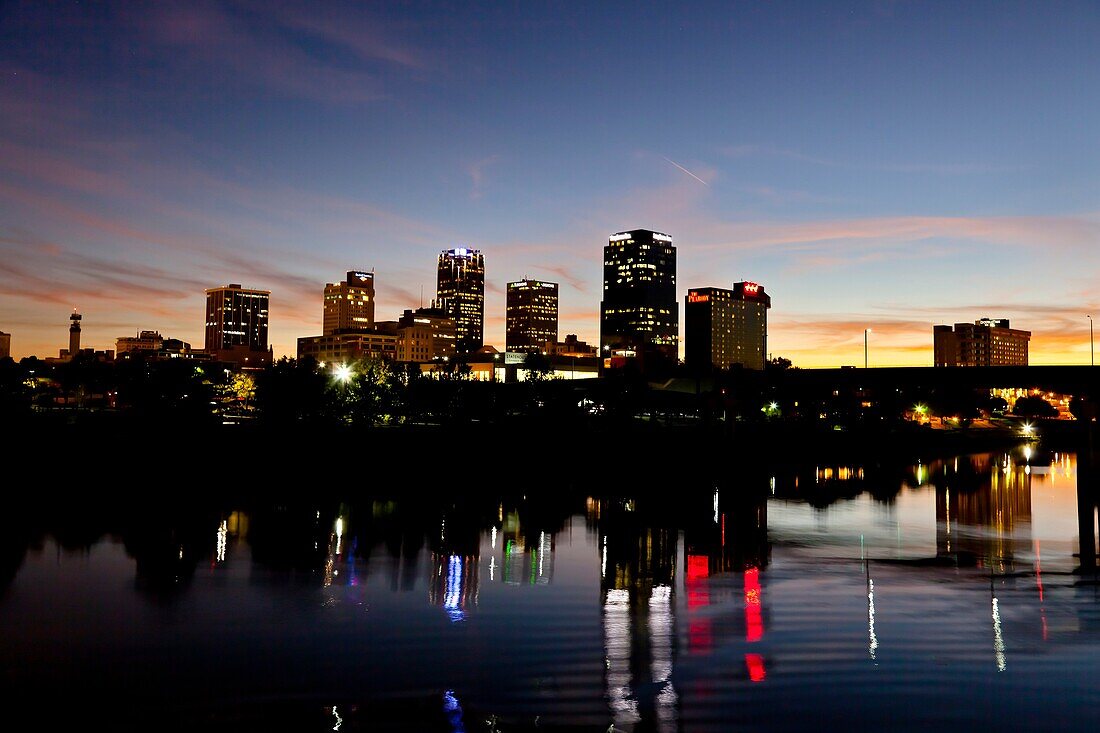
(778, 363)
(1082, 408)
(1034, 407)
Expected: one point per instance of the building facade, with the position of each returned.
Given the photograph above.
(639, 311)
(460, 291)
(347, 347)
(425, 335)
(531, 315)
(152, 344)
(572, 346)
(349, 304)
(986, 342)
(726, 327)
(5, 345)
(236, 325)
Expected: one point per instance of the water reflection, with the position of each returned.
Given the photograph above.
(645, 612)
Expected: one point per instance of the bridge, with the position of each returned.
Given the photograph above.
(1074, 380)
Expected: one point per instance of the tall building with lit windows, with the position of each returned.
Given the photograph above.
(460, 291)
(986, 342)
(726, 327)
(639, 311)
(236, 325)
(349, 304)
(532, 315)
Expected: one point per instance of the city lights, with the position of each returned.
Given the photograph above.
(343, 373)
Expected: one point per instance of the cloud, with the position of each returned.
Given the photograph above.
(477, 173)
(567, 274)
(937, 168)
(324, 53)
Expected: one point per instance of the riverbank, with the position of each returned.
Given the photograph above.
(467, 454)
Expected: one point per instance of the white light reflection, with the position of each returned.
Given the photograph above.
(661, 638)
(998, 639)
(493, 538)
(223, 532)
(616, 620)
(716, 506)
(492, 568)
(603, 562)
(452, 597)
(872, 639)
(339, 720)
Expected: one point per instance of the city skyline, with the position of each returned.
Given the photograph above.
(874, 165)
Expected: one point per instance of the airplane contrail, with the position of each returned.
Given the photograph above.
(685, 170)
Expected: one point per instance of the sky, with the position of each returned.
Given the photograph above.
(874, 165)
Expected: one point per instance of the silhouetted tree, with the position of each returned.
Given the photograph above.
(1034, 407)
(295, 391)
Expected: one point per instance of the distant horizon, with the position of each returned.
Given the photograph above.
(878, 165)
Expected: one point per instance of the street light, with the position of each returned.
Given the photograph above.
(1092, 352)
(865, 332)
(343, 373)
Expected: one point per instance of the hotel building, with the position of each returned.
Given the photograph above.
(726, 327)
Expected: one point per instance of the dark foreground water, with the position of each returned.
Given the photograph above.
(944, 596)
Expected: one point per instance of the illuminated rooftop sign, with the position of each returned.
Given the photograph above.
(751, 288)
(619, 237)
(694, 297)
(662, 238)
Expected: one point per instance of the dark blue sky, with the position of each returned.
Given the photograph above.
(879, 164)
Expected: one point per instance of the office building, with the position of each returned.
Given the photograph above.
(349, 304)
(425, 335)
(986, 342)
(532, 315)
(236, 325)
(5, 345)
(460, 291)
(144, 341)
(639, 312)
(150, 344)
(346, 347)
(572, 346)
(726, 327)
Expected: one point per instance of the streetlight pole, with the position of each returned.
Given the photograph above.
(865, 332)
(1092, 351)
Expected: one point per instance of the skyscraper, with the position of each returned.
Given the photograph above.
(460, 289)
(236, 325)
(725, 327)
(5, 345)
(349, 304)
(639, 311)
(532, 315)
